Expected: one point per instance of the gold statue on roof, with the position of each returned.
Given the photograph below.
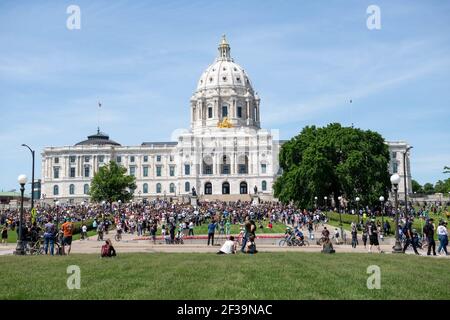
(225, 123)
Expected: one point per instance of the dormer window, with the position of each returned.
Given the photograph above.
(224, 78)
(210, 79)
(235, 69)
(224, 69)
(238, 79)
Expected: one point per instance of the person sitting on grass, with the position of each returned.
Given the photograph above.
(108, 249)
(228, 247)
(251, 245)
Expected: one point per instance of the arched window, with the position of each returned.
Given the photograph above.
(172, 188)
(187, 186)
(55, 190)
(208, 188)
(264, 185)
(158, 188)
(225, 188)
(72, 189)
(86, 188)
(145, 188)
(243, 188)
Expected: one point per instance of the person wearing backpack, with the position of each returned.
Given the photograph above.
(428, 231)
(407, 231)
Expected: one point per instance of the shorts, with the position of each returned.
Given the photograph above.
(67, 241)
(374, 241)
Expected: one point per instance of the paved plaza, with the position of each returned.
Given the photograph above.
(265, 243)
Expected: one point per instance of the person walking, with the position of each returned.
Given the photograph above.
(364, 236)
(407, 231)
(84, 235)
(428, 231)
(442, 233)
(211, 229)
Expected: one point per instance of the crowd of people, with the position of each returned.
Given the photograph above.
(56, 224)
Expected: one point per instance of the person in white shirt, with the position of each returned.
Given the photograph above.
(442, 233)
(191, 228)
(228, 247)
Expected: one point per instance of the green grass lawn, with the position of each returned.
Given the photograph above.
(295, 275)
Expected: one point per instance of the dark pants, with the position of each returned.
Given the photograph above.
(431, 244)
(211, 237)
(408, 242)
(191, 232)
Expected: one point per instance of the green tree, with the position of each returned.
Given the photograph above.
(428, 188)
(111, 183)
(442, 186)
(446, 169)
(333, 161)
(416, 187)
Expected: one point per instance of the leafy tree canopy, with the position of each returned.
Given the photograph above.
(111, 183)
(428, 188)
(333, 161)
(416, 187)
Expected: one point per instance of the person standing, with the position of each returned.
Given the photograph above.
(67, 229)
(373, 236)
(49, 237)
(191, 228)
(442, 233)
(5, 234)
(354, 235)
(211, 229)
(153, 230)
(428, 231)
(364, 236)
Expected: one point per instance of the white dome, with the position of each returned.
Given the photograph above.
(224, 72)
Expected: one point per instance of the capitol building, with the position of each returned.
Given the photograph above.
(225, 155)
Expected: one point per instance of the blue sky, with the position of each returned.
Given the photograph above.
(142, 60)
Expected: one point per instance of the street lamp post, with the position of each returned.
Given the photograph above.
(357, 209)
(340, 216)
(57, 214)
(325, 202)
(20, 250)
(405, 172)
(315, 202)
(32, 175)
(382, 212)
(395, 180)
